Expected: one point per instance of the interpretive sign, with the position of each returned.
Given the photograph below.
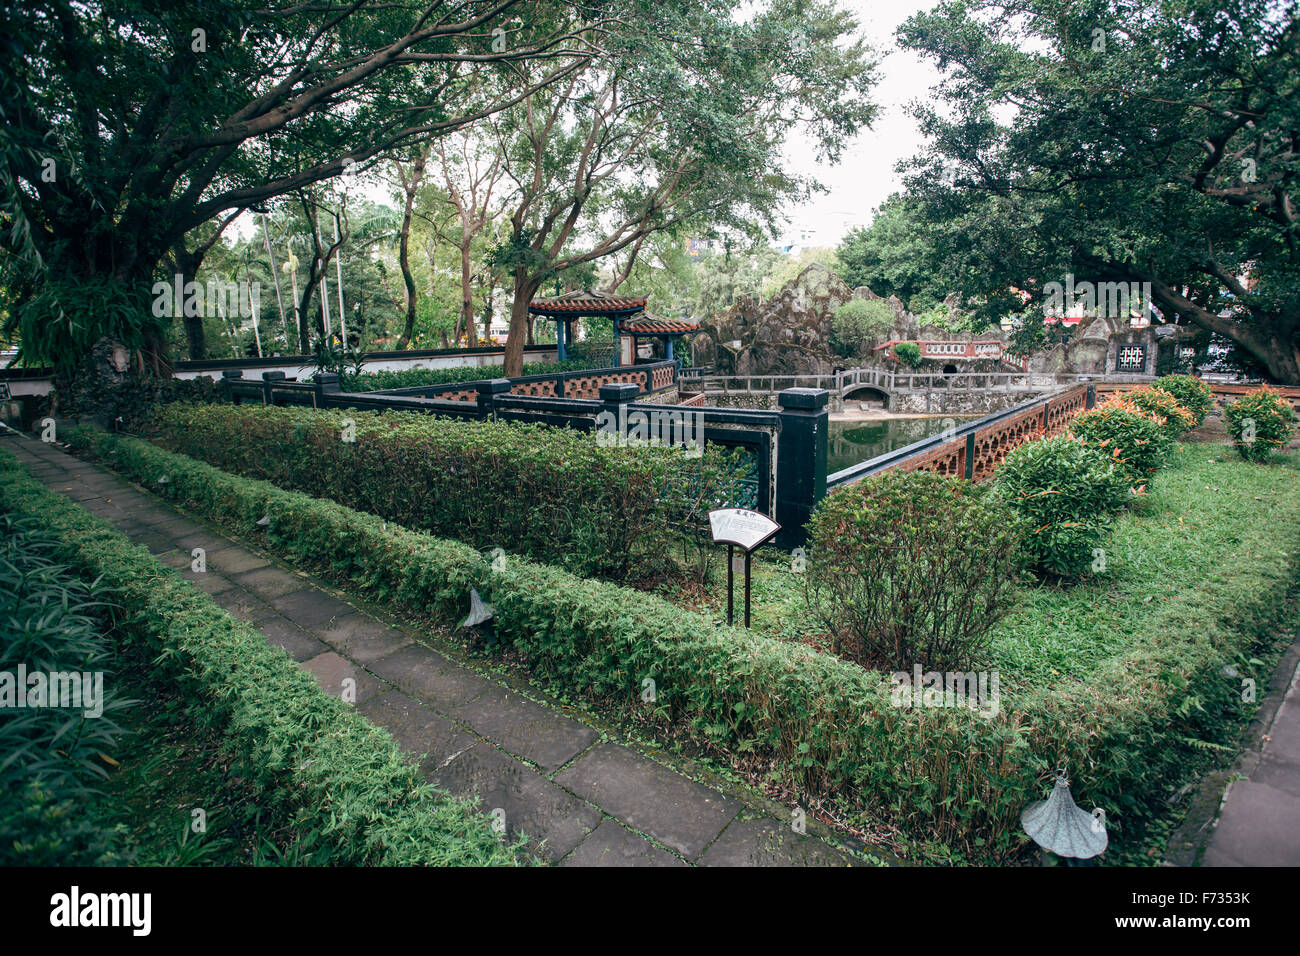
(744, 529)
(741, 527)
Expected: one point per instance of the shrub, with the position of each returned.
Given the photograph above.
(911, 568)
(1131, 438)
(1066, 493)
(909, 353)
(553, 493)
(304, 747)
(1260, 423)
(858, 323)
(1193, 394)
(129, 405)
(51, 756)
(1163, 409)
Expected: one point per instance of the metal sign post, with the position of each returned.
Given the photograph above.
(744, 529)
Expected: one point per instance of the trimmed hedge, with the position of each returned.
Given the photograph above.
(1128, 435)
(411, 377)
(309, 749)
(50, 764)
(1163, 409)
(818, 723)
(1193, 394)
(556, 494)
(911, 568)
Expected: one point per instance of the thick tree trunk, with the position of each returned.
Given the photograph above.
(1276, 347)
(525, 288)
(1274, 339)
(198, 342)
(187, 267)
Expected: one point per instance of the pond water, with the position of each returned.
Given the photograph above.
(851, 442)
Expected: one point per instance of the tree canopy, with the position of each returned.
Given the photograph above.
(127, 125)
(683, 124)
(1119, 141)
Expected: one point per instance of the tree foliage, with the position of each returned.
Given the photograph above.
(1117, 141)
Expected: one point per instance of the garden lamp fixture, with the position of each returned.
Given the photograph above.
(1059, 826)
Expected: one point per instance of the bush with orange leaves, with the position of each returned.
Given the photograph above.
(1131, 438)
(1161, 407)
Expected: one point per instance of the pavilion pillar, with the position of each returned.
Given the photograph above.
(560, 329)
(618, 347)
(668, 347)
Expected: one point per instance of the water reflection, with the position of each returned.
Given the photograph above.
(851, 442)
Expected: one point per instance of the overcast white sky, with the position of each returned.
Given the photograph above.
(865, 176)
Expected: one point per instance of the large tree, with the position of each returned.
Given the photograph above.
(128, 124)
(683, 125)
(1120, 141)
(895, 255)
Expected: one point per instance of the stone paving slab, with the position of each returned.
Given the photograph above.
(331, 670)
(233, 560)
(296, 642)
(247, 607)
(430, 677)
(1284, 735)
(585, 803)
(310, 607)
(764, 843)
(1259, 821)
(362, 638)
(678, 812)
(269, 583)
(211, 583)
(526, 729)
(613, 845)
(1258, 827)
(532, 804)
(1280, 775)
(418, 730)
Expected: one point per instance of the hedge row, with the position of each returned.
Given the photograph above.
(411, 377)
(823, 725)
(551, 493)
(310, 749)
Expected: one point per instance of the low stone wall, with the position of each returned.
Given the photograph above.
(762, 400)
(956, 402)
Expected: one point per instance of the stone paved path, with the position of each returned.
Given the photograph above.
(1259, 822)
(590, 801)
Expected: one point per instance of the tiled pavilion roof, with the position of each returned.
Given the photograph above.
(653, 325)
(586, 302)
